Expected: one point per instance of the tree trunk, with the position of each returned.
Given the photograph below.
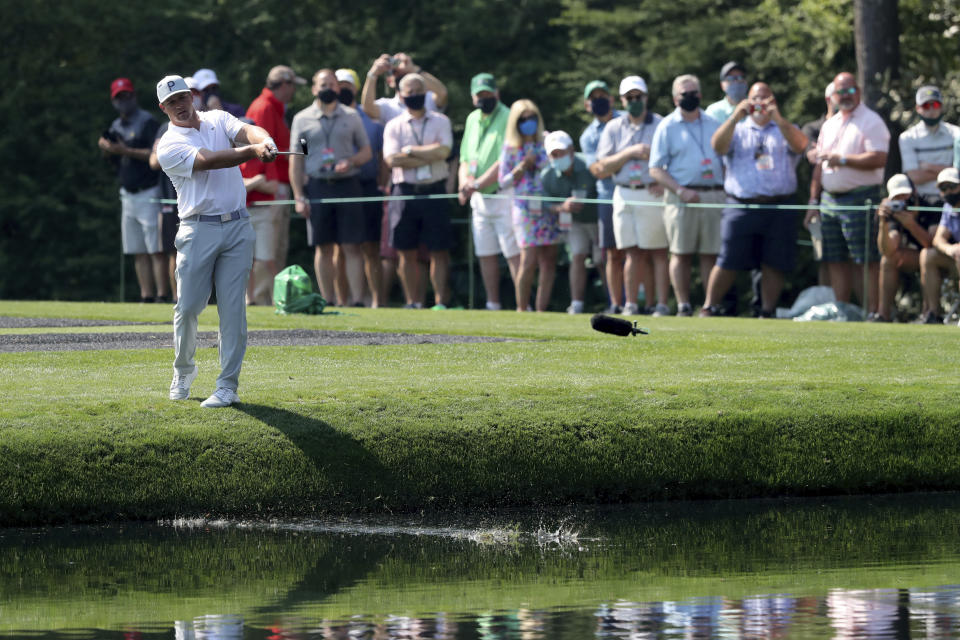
(877, 40)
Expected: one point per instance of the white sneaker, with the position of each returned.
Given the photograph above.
(631, 309)
(180, 387)
(661, 310)
(222, 397)
(576, 306)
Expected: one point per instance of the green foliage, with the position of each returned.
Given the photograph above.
(60, 214)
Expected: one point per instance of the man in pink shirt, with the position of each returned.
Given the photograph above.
(415, 147)
(852, 152)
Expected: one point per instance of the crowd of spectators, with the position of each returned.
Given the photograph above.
(641, 196)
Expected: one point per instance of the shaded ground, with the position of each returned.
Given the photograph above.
(164, 340)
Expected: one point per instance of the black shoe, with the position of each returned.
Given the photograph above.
(931, 318)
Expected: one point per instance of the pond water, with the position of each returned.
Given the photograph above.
(879, 567)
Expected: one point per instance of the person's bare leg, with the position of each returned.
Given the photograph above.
(352, 258)
(661, 275)
(172, 274)
(528, 263)
(771, 286)
(325, 270)
(490, 274)
(840, 280)
(143, 265)
(578, 276)
(389, 268)
(614, 269)
(707, 261)
(932, 265)
(680, 267)
(440, 276)
(889, 281)
(158, 262)
(373, 272)
(632, 273)
(718, 283)
(409, 275)
(547, 263)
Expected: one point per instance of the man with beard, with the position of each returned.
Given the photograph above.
(760, 151)
(128, 143)
(852, 152)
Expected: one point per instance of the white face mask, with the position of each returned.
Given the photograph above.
(198, 103)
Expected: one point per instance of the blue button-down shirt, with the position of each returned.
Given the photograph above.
(950, 220)
(589, 140)
(370, 169)
(683, 150)
(759, 162)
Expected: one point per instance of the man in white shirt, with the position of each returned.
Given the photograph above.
(215, 240)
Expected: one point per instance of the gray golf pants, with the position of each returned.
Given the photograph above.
(213, 254)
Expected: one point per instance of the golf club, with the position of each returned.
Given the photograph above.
(616, 326)
(303, 145)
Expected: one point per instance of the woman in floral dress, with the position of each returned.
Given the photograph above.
(537, 229)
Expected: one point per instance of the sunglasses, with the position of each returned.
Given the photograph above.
(849, 91)
(933, 104)
(736, 78)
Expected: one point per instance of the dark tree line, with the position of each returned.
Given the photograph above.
(59, 218)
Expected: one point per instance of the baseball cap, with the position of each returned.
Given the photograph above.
(280, 73)
(171, 85)
(191, 83)
(928, 93)
(632, 83)
(594, 84)
(348, 75)
(949, 175)
(120, 84)
(204, 78)
(829, 91)
(730, 66)
(898, 185)
(482, 82)
(557, 140)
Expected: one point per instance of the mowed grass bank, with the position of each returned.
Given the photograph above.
(698, 409)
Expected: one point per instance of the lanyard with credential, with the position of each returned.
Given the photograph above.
(698, 139)
(422, 132)
(327, 132)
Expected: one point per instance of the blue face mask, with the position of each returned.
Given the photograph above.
(737, 91)
(561, 164)
(528, 126)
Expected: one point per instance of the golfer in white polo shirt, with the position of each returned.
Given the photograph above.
(215, 240)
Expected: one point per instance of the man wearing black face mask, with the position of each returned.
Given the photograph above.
(479, 163)
(338, 148)
(682, 161)
(597, 100)
(926, 148)
(128, 143)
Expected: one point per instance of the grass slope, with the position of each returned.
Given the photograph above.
(699, 408)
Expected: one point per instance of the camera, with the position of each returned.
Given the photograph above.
(897, 205)
(110, 135)
(394, 62)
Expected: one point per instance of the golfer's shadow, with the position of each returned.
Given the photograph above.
(345, 467)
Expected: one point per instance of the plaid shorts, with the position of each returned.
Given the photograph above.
(844, 230)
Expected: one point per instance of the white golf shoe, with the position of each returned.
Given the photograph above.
(180, 387)
(222, 397)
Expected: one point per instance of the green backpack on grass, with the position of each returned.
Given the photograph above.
(293, 292)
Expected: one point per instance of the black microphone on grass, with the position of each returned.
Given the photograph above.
(616, 326)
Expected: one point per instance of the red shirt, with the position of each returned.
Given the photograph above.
(267, 112)
(254, 167)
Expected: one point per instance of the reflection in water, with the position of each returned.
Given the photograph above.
(864, 569)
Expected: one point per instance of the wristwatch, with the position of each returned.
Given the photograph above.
(406, 149)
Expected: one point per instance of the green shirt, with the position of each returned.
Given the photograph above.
(561, 185)
(483, 140)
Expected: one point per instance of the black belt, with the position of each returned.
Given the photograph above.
(139, 189)
(225, 217)
(430, 187)
(697, 187)
(638, 187)
(763, 199)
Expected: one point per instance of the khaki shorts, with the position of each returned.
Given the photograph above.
(694, 229)
(638, 225)
(583, 240)
(263, 219)
(140, 221)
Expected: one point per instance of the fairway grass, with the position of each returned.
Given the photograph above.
(700, 408)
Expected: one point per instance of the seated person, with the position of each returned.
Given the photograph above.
(903, 233)
(944, 255)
